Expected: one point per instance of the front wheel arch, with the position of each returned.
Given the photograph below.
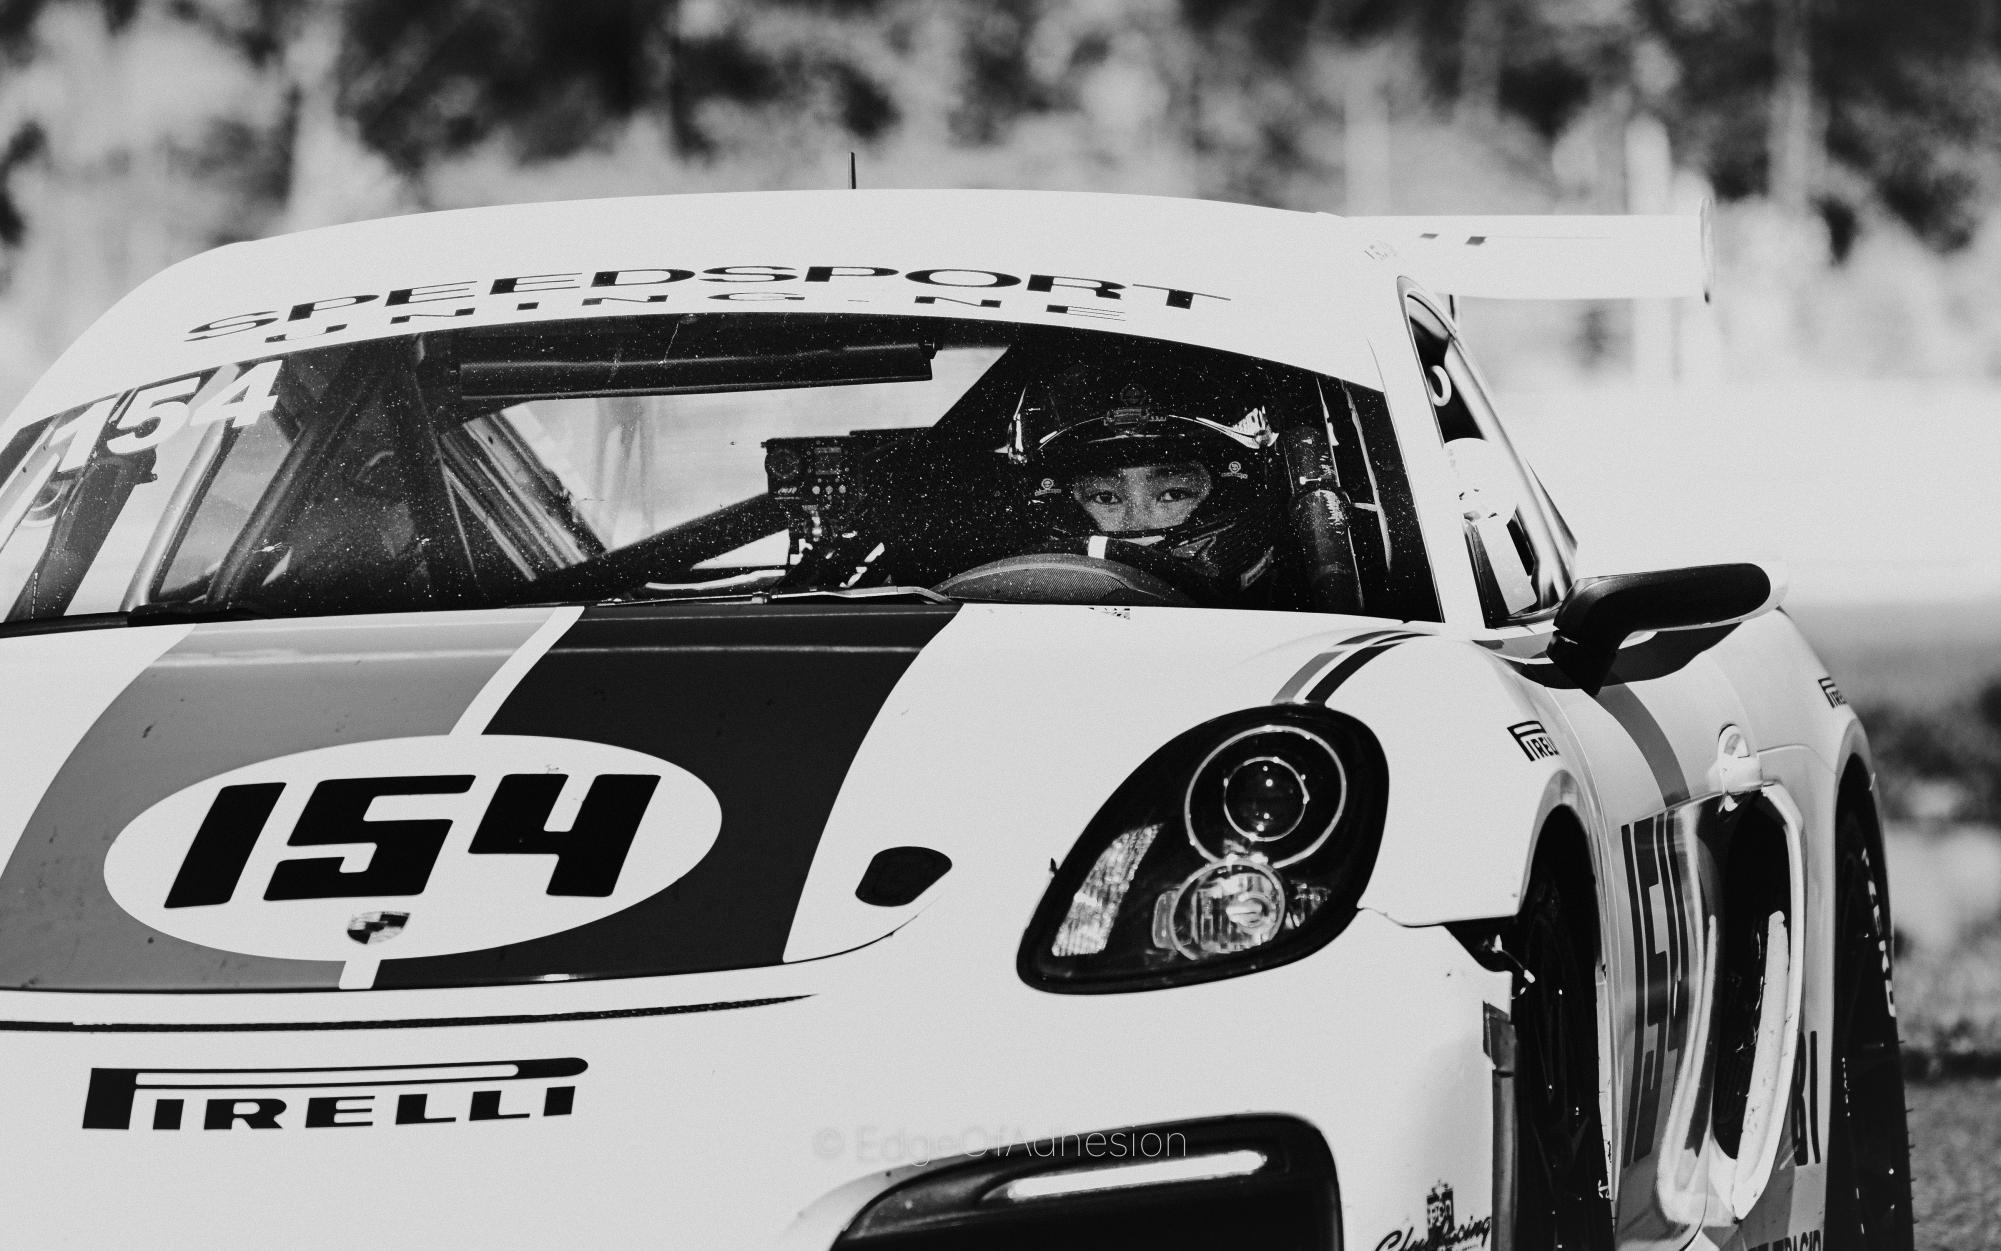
(1562, 1193)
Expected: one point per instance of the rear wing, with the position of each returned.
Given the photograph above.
(1638, 257)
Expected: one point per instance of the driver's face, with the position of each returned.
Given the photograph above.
(1142, 497)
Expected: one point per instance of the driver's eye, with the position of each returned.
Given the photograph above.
(1107, 498)
(1175, 494)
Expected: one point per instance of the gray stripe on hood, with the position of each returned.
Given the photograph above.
(229, 695)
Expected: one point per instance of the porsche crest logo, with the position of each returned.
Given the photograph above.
(377, 927)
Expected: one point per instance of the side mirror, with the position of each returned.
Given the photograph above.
(1599, 613)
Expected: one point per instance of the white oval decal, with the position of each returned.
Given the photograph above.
(411, 846)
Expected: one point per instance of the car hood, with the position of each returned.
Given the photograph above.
(530, 795)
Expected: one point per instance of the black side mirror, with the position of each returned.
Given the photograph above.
(1599, 613)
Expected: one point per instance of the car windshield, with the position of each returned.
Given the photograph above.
(665, 457)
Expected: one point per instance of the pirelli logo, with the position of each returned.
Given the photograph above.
(1534, 741)
(379, 1094)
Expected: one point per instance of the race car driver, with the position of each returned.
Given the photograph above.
(1142, 498)
(1151, 469)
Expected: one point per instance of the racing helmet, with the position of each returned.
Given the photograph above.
(1103, 418)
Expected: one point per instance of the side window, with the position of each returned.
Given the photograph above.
(1520, 560)
(224, 477)
(519, 521)
(31, 498)
(58, 504)
(243, 462)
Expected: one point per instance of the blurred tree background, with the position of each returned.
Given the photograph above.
(1851, 144)
(1853, 147)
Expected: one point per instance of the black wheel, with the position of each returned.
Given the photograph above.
(1869, 1148)
(1561, 1193)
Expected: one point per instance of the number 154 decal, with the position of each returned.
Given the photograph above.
(138, 420)
(477, 841)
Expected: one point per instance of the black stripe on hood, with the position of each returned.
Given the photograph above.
(767, 704)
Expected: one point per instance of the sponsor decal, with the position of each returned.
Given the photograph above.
(606, 290)
(1804, 1114)
(1835, 698)
(1442, 1230)
(339, 1098)
(1657, 890)
(411, 846)
(1805, 1240)
(1534, 741)
(140, 420)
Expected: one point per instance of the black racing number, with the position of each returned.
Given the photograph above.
(405, 851)
(590, 854)
(1655, 880)
(223, 844)
(1806, 1099)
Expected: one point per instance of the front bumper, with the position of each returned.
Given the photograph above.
(1263, 1181)
(692, 1123)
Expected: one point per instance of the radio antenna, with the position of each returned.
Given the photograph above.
(852, 185)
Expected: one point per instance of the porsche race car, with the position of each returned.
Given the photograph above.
(902, 720)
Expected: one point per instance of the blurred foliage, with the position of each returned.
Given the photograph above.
(1931, 756)
(1904, 116)
(1856, 144)
(1949, 1001)
(424, 81)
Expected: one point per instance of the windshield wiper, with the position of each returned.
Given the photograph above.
(899, 594)
(887, 594)
(154, 614)
(143, 614)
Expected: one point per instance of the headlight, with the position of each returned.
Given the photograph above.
(1242, 844)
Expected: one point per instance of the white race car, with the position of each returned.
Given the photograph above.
(901, 720)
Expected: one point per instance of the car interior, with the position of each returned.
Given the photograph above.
(703, 455)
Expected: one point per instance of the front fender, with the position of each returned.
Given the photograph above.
(1478, 760)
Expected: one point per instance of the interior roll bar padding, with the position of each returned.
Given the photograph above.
(1320, 515)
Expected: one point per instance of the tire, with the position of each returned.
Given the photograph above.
(1561, 1192)
(1869, 1147)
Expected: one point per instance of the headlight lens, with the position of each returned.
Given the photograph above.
(1277, 790)
(1241, 844)
(1265, 798)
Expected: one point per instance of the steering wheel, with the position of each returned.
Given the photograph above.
(1063, 578)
